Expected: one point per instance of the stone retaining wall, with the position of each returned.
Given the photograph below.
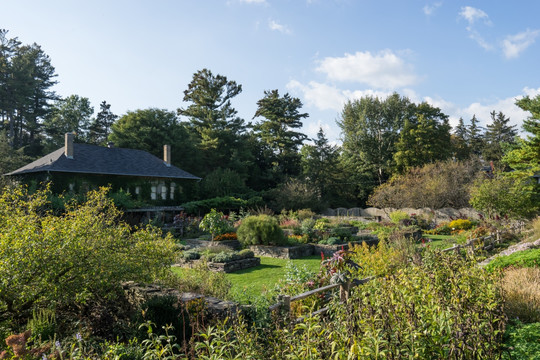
(227, 267)
(300, 251)
(374, 214)
(137, 294)
(232, 244)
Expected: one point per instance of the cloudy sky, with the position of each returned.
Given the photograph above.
(466, 57)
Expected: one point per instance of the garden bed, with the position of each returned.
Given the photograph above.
(233, 244)
(227, 267)
(300, 251)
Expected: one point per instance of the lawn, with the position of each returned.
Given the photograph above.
(441, 241)
(255, 280)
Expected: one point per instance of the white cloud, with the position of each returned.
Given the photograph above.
(384, 70)
(513, 45)
(253, 1)
(472, 14)
(328, 97)
(275, 26)
(430, 9)
(483, 109)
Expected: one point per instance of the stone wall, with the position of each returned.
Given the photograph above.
(137, 294)
(300, 251)
(374, 214)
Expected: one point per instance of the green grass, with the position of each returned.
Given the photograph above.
(441, 241)
(255, 280)
(527, 258)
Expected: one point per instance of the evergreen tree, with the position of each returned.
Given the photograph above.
(100, 128)
(26, 76)
(216, 129)
(498, 135)
(320, 163)
(475, 137)
(281, 116)
(460, 144)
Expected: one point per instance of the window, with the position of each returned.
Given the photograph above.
(153, 194)
(171, 194)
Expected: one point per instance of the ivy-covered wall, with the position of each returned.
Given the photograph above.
(140, 189)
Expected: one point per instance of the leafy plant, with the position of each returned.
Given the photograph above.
(215, 223)
(85, 253)
(527, 258)
(397, 216)
(521, 341)
(260, 230)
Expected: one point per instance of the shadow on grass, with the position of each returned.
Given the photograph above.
(256, 268)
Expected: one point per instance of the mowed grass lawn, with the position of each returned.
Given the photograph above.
(441, 241)
(255, 280)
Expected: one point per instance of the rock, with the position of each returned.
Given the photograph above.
(512, 249)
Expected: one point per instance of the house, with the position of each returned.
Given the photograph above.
(78, 168)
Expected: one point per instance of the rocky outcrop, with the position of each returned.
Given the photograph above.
(137, 294)
(512, 249)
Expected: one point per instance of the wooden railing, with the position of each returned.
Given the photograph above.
(285, 301)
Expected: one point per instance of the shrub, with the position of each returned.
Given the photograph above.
(224, 257)
(460, 224)
(192, 254)
(322, 224)
(246, 254)
(521, 340)
(397, 216)
(226, 236)
(342, 233)
(215, 223)
(527, 258)
(521, 289)
(85, 253)
(260, 230)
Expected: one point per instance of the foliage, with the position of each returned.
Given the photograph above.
(223, 182)
(260, 230)
(150, 129)
(26, 81)
(226, 236)
(221, 204)
(200, 280)
(69, 115)
(216, 131)
(521, 291)
(320, 166)
(461, 224)
(215, 223)
(521, 341)
(503, 196)
(86, 252)
(527, 258)
(424, 139)
(100, 127)
(281, 116)
(435, 186)
(397, 216)
(43, 324)
(295, 194)
(377, 260)
(498, 135)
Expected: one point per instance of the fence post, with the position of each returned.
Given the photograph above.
(498, 237)
(344, 289)
(285, 301)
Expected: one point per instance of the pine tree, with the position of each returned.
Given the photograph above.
(475, 137)
(100, 127)
(498, 134)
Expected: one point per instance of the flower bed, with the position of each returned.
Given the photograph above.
(223, 261)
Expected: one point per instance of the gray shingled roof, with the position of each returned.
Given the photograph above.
(92, 159)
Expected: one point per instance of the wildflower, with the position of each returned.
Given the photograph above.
(43, 357)
(78, 337)
(57, 344)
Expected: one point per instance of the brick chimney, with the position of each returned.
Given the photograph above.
(167, 155)
(68, 148)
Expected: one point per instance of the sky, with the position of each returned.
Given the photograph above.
(465, 57)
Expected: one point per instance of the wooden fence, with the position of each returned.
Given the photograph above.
(285, 301)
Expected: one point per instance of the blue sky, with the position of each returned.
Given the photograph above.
(466, 57)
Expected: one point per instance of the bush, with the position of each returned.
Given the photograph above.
(527, 258)
(460, 224)
(521, 341)
(192, 254)
(215, 223)
(260, 230)
(246, 254)
(521, 289)
(397, 216)
(85, 253)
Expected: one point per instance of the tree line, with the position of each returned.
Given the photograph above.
(267, 155)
